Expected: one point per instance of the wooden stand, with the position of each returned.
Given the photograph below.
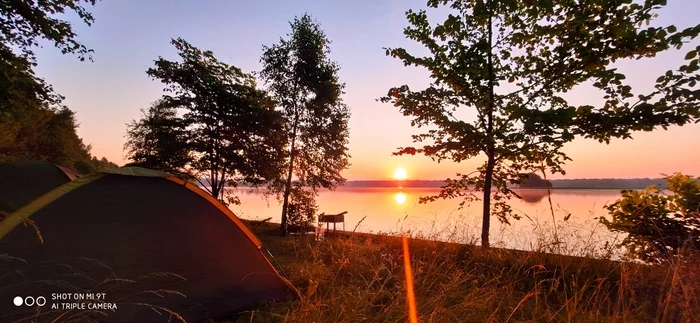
(332, 218)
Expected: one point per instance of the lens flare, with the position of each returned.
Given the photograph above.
(410, 296)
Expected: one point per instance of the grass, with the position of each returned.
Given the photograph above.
(360, 277)
(353, 277)
(17, 274)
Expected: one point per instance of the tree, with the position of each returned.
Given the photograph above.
(159, 141)
(22, 24)
(90, 164)
(508, 62)
(534, 181)
(658, 225)
(45, 133)
(304, 82)
(34, 124)
(229, 127)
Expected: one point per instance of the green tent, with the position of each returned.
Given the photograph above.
(22, 182)
(151, 242)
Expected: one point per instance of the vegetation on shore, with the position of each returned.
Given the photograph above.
(361, 277)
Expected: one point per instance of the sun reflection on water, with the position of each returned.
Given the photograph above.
(400, 198)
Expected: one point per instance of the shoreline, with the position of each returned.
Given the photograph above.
(271, 229)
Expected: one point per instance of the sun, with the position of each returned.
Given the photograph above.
(400, 173)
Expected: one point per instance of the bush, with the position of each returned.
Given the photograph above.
(301, 211)
(659, 224)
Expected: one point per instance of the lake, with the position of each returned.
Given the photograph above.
(394, 211)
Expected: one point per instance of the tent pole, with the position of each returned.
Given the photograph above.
(275, 260)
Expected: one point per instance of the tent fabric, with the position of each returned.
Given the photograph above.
(22, 215)
(136, 171)
(137, 238)
(72, 174)
(22, 182)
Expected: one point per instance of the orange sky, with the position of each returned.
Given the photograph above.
(108, 93)
(648, 155)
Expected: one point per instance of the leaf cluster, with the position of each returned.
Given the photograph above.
(659, 223)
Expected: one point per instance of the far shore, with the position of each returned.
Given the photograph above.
(438, 187)
(556, 184)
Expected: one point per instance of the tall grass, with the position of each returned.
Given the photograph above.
(361, 277)
(83, 276)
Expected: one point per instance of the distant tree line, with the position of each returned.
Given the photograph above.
(609, 183)
(592, 183)
(34, 122)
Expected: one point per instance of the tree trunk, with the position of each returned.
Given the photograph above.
(215, 192)
(486, 216)
(214, 182)
(288, 181)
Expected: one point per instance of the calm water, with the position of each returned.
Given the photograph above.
(393, 210)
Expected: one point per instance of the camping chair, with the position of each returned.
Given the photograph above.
(332, 218)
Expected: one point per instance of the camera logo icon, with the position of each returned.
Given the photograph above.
(29, 301)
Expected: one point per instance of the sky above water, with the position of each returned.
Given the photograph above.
(128, 35)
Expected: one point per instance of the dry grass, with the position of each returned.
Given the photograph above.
(360, 277)
(16, 273)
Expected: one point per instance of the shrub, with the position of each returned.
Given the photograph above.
(301, 212)
(659, 224)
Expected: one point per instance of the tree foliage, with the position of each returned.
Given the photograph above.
(302, 208)
(23, 24)
(158, 141)
(659, 224)
(40, 132)
(507, 64)
(304, 82)
(34, 124)
(45, 133)
(228, 133)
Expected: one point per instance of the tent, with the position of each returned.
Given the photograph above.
(22, 182)
(153, 244)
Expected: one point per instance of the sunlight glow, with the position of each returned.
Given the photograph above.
(400, 198)
(400, 173)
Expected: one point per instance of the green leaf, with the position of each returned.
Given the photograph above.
(691, 54)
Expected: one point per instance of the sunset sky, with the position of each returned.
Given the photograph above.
(129, 35)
